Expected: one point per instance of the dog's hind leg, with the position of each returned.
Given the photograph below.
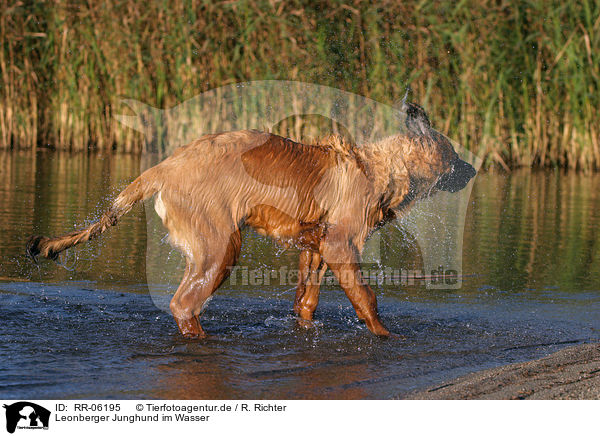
(310, 273)
(203, 275)
(342, 258)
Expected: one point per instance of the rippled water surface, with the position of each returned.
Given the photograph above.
(90, 329)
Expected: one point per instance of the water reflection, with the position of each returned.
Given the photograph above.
(531, 260)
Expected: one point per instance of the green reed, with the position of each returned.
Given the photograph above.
(516, 82)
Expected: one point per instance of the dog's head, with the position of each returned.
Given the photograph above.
(429, 156)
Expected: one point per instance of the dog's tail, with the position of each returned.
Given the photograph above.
(138, 190)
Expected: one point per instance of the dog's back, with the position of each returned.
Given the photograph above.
(235, 173)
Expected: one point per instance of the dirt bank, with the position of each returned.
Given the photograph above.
(571, 373)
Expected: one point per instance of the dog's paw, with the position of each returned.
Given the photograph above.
(305, 323)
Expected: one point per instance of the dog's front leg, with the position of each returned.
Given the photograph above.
(310, 273)
(342, 257)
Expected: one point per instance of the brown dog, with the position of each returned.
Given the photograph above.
(323, 199)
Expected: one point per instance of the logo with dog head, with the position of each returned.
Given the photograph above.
(435, 221)
(26, 415)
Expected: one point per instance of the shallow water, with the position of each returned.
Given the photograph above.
(90, 329)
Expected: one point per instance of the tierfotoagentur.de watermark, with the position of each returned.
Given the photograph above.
(243, 276)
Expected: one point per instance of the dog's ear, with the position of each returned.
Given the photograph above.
(415, 118)
(417, 122)
(404, 107)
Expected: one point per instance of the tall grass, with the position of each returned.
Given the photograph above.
(517, 82)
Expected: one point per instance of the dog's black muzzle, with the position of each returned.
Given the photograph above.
(462, 172)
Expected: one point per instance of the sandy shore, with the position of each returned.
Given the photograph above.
(572, 373)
